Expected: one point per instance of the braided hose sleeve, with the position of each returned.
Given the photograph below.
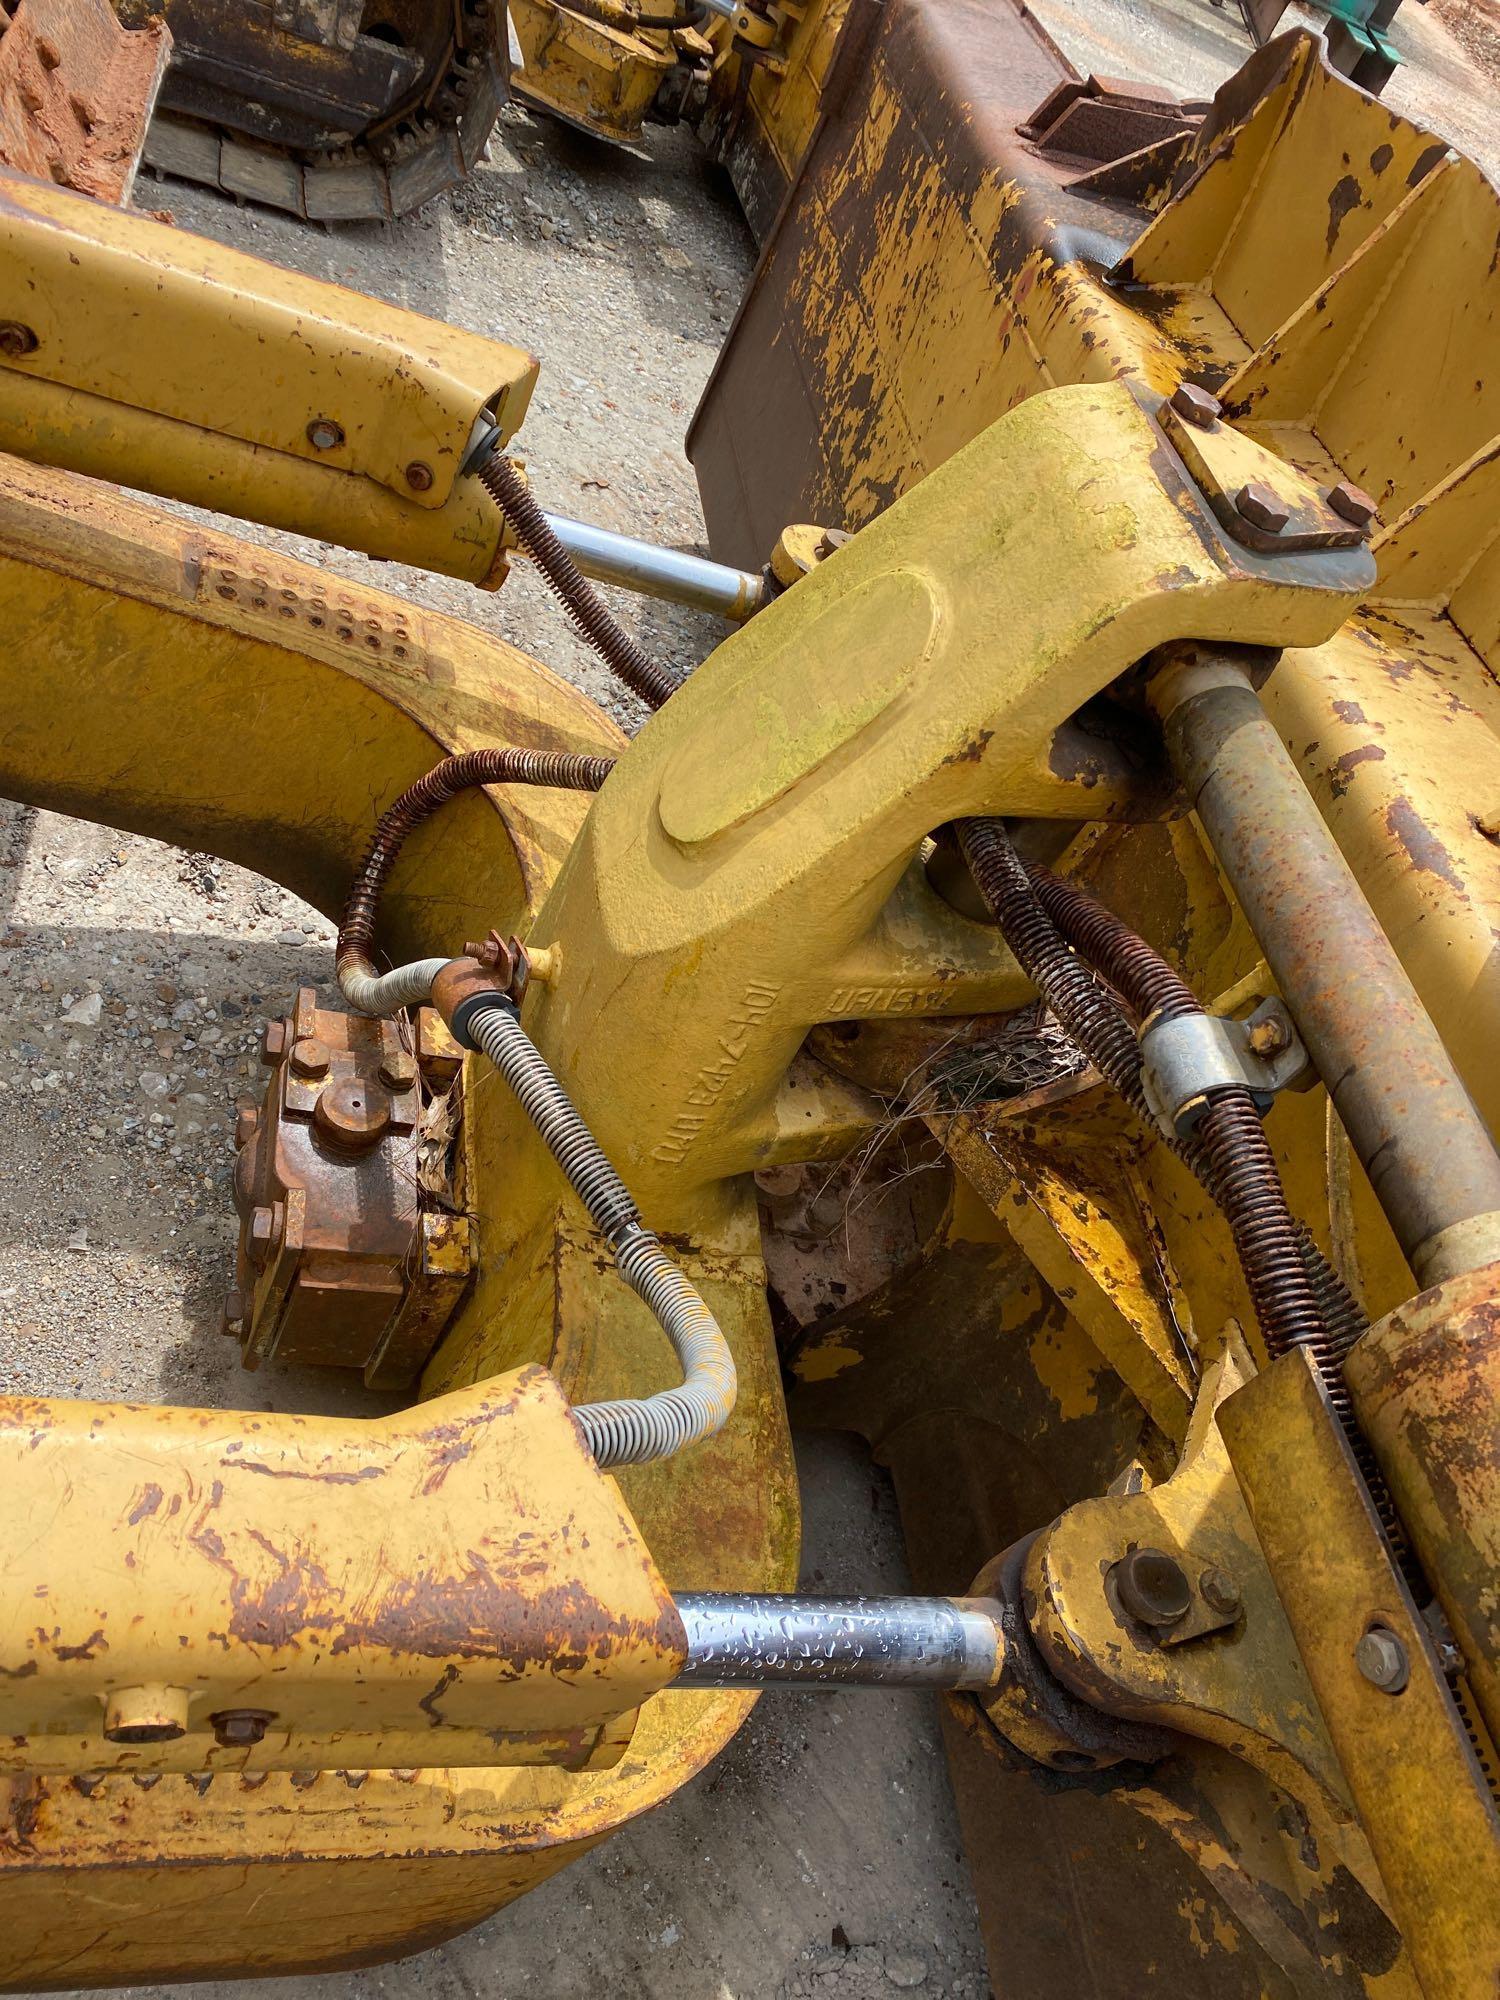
(629, 1431)
(567, 770)
(579, 599)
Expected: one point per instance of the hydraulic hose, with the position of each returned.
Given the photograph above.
(628, 1431)
(579, 599)
(1299, 1298)
(373, 992)
(1041, 918)
(1154, 993)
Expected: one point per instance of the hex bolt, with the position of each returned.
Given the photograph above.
(398, 1071)
(1352, 504)
(246, 1125)
(1219, 1591)
(831, 541)
(1196, 406)
(323, 434)
(273, 1042)
(310, 1057)
(261, 1237)
(1270, 1036)
(1258, 505)
(16, 339)
(235, 1307)
(240, 1728)
(1151, 1587)
(1381, 1658)
(419, 476)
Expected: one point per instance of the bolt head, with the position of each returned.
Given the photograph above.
(1196, 406)
(260, 1237)
(1352, 504)
(16, 339)
(1151, 1587)
(273, 1042)
(398, 1070)
(1269, 1037)
(246, 1124)
(310, 1057)
(1381, 1658)
(240, 1728)
(1219, 1590)
(323, 434)
(419, 476)
(831, 541)
(236, 1306)
(493, 953)
(1258, 505)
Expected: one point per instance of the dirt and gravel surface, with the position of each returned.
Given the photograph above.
(820, 1855)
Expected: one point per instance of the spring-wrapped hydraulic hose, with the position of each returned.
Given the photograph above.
(628, 1431)
(374, 992)
(1154, 992)
(1053, 927)
(579, 599)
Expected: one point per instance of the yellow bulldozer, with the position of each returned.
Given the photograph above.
(1107, 521)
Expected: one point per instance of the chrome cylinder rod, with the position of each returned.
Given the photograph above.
(892, 1642)
(735, 594)
(1429, 1156)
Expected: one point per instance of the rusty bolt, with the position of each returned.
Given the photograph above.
(1258, 505)
(262, 1235)
(419, 476)
(398, 1071)
(1150, 1586)
(831, 541)
(235, 1307)
(1196, 406)
(1352, 504)
(240, 1728)
(16, 339)
(273, 1042)
(1381, 1658)
(246, 1124)
(323, 434)
(310, 1057)
(1220, 1591)
(1270, 1036)
(493, 953)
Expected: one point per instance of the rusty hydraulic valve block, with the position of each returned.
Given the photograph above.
(353, 1248)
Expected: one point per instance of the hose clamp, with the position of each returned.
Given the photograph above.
(1184, 1061)
(471, 1006)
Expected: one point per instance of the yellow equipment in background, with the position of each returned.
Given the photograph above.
(1110, 825)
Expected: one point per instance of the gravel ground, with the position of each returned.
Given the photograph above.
(820, 1855)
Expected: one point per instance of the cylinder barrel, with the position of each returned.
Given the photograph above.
(1426, 1388)
(1428, 1154)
